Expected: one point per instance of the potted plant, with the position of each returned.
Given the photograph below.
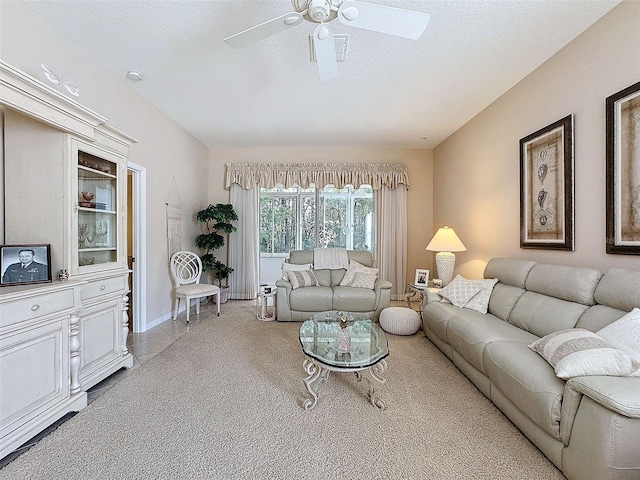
(217, 222)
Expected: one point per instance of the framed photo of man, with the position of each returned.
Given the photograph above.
(23, 264)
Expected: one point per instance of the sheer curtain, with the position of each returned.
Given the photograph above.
(244, 251)
(391, 254)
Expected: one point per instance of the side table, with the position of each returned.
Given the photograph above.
(262, 304)
(415, 294)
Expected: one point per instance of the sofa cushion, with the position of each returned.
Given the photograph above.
(578, 352)
(311, 299)
(469, 332)
(599, 316)
(324, 277)
(509, 271)
(436, 315)
(528, 381)
(541, 314)
(572, 284)
(352, 299)
(619, 289)
(503, 299)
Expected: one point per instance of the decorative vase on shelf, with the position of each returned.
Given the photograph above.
(343, 336)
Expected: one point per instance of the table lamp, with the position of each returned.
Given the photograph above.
(445, 242)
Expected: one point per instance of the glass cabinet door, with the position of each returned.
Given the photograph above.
(97, 226)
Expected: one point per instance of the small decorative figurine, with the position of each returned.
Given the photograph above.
(63, 275)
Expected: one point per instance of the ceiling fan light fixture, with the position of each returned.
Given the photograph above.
(319, 10)
(341, 41)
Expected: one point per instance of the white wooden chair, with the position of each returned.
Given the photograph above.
(186, 268)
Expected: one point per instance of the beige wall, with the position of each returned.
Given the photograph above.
(419, 197)
(163, 147)
(476, 170)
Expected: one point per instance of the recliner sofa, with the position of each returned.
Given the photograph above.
(300, 303)
(588, 426)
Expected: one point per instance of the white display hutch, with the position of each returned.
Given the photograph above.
(64, 185)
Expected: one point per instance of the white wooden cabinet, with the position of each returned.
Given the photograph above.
(54, 150)
(39, 359)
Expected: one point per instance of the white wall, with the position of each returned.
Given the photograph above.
(419, 196)
(476, 170)
(164, 148)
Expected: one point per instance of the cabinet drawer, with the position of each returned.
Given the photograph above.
(104, 286)
(35, 306)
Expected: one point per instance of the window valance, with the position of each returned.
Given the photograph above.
(268, 175)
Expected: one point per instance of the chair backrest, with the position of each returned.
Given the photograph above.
(186, 267)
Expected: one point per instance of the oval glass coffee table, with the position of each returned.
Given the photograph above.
(322, 341)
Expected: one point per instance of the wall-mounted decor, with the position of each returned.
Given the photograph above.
(22, 264)
(546, 187)
(623, 171)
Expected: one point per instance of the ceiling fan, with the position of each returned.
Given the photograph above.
(378, 18)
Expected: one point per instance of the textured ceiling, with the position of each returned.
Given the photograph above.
(390, 92)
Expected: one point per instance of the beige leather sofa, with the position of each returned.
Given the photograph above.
(300, 303)
(588, 426)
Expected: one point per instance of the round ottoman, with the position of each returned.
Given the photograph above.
(400, 320)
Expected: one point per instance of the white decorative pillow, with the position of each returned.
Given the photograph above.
(293, 267)
(355, 267)
(304, 278)
(576, 352)
(480, 301)
(364, 280)
(624, 333)
(459, 291)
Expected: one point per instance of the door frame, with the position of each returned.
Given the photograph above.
(139, 235)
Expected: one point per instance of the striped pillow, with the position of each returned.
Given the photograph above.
(303, 278)
(576, 352)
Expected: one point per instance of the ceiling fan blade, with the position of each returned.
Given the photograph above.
(264, 30)
(379, 18)
(325, 48)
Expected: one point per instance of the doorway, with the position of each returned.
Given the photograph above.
(136, 245)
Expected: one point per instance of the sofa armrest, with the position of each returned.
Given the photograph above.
(382, 285)
(431, 295)
(619, 394)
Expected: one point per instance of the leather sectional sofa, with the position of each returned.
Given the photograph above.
(300, 303)
(588, 426)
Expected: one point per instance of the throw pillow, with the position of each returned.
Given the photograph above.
(364, 280)
(355, 267)
(576, 352)
(304, 278)
(459, 291)
(480, 301)
(624, 333)
(293, 267)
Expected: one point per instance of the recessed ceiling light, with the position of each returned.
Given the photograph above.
(133, 75)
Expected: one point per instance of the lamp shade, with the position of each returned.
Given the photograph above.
(446, 240)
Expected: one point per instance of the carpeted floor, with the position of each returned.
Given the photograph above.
(225, 402)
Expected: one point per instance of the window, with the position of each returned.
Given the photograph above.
(297, 218)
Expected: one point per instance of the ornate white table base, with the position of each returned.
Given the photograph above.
(318, 374)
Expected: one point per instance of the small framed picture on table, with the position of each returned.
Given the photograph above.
(422, 277)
